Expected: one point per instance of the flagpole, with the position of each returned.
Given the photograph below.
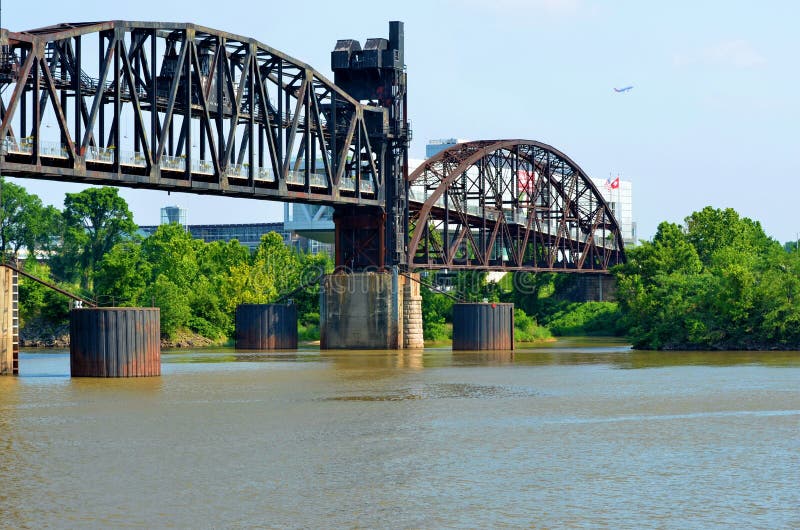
(619, 204)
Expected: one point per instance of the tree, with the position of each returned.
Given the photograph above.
(122, 276)
(39, 305)
(273, 271)
(172, 253)
(173, 303)
(720, 283)
(24, 221)
(711, 230)
(95, 220)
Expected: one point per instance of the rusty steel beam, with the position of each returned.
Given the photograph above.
(509, 205)
(183, 107)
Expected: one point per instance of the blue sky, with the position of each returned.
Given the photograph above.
(713, 119)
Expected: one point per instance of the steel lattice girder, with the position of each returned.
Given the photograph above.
(182, 107)
(509, 205)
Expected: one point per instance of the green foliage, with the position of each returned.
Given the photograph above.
(307, 299)
(38, 302)
(586, 319)
(308, 332)
(526, 329)
(720, 283)
(25, 221)
(171, 252)
(535, 293)
(197, 286)
(437, 331)
(437, 310)
(173, 303)
(472, 286)
(122, 275)
(95, 220)
(31, 293)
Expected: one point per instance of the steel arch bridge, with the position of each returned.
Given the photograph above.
(509, 205)
(182, 107)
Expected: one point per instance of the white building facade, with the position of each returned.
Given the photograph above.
(620, 199)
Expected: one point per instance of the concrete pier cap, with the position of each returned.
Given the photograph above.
(376, 310)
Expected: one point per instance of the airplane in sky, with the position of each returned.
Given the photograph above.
(623, 89)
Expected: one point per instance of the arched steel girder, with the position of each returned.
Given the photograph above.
(183, 107)
(509, 205)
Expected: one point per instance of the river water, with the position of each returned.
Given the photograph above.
(572, 435)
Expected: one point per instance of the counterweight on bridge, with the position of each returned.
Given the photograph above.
(375, 76)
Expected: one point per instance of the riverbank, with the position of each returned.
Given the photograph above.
(39, 335)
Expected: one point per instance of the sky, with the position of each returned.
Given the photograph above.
(713, 118)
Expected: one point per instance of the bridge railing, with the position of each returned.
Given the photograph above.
(105, 155)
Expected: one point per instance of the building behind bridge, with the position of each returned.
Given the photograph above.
(620, 200)
(309, 227)
(248, 234)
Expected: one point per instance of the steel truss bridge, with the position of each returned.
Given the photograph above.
(181, 107)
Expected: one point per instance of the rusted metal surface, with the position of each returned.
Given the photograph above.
(509, 205)
(376, 76)
(183, 107)
(266, 327)
(115, 342)
(483, 326)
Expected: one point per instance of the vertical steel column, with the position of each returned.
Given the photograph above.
(37, 105)
(188, 51)
(154, 128)
(101, 58)
(76, 83)
(252, 71)
(222, 57)
(117, 102)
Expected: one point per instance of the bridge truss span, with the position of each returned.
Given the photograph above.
(182, 107)
(509, 205)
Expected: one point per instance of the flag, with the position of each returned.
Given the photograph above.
(614, 184)
(526, 180)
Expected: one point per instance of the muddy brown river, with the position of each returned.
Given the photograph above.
(579, 434)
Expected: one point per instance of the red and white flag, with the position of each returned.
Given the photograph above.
(526, 180)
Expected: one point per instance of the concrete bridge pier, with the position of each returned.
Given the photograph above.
(370, 311)
(9, 321)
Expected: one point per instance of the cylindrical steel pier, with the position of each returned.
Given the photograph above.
(483, 326)
(266, 327)
(115, 342)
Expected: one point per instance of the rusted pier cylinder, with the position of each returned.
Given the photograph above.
(483, 326)
(266, 327)
(115, 342)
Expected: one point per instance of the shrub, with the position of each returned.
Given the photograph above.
(587, 318)
(526, 329)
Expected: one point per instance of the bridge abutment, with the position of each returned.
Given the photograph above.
(370, 310)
